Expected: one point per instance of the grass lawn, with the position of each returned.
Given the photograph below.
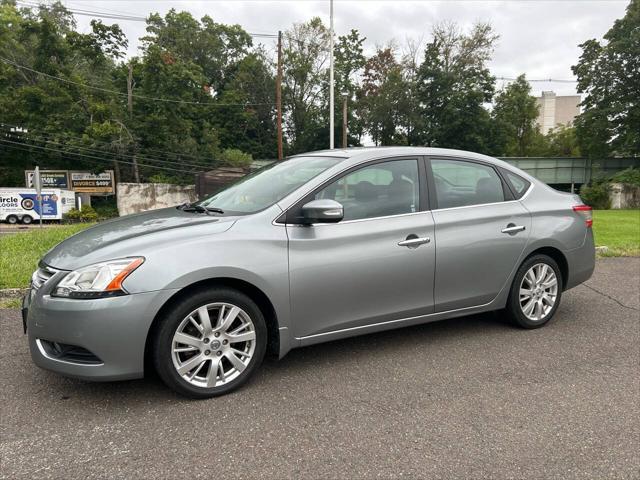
(20, 252)
(619, 230)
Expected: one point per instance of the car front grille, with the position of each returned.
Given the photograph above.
(41, 276)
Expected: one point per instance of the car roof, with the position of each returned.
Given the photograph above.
(355, 155)
(364, 153)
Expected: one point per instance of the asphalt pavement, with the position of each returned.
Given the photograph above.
(465, 398)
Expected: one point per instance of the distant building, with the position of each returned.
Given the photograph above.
(556, 110)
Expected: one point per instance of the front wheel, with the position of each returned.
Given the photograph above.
(535, 293)
(210, 343)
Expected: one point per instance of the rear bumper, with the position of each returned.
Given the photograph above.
(114, 330)
(581, 262)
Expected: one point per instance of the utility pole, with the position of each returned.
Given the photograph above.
(136, 174)
(279, 96)
(344, 119)
(331, 119)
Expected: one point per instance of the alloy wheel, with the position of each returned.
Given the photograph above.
(538, 292)
(213, 345)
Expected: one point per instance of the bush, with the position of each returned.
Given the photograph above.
(163, 178)
(629, 176)
(105, 207)
(596, 195)
(236, 158)
(86, 214)
(105, 212)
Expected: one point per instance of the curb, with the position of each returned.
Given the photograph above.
(9, 293)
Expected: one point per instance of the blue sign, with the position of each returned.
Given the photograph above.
(29, 201)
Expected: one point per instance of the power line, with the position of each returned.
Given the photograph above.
(94, 158)
(164, 153)
(43, 139)
(120, 16)
(143, 97)
(549, 80)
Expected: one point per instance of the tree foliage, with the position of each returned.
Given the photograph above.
(514, 114)
(608, 75)
(454, 83)
(201, 89)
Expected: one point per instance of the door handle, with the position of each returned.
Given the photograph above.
(511, 228)
(413, 241)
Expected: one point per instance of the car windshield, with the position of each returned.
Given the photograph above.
(268, 185)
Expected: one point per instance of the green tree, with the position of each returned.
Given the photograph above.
(348, 64)
(607, 74)
(383, 100)
(304, 95)
(514, 114)
(54, 113)
(562, 141)
(454, 83)
(251, 128)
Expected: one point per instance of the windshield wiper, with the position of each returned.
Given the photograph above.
(194, 207)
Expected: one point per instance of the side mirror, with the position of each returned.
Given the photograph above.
(322, 211)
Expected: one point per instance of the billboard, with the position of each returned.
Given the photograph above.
(85, 182)
(49, 179)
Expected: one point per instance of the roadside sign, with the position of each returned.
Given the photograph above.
(85, 182)
(37, 183)
(48, 179)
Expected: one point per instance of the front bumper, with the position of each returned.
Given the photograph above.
(113, 329)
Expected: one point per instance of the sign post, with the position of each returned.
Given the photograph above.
(37, 184)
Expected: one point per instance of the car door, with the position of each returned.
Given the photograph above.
(375, 265)
(481, 232)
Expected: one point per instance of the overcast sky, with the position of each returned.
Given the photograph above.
(537, 37)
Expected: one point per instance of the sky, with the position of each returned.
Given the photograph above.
(537, 37)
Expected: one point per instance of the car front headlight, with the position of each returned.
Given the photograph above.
(99, 280)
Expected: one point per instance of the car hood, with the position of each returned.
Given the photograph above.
(132, 235)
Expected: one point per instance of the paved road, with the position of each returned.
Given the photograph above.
(6, 229)
(468, 398)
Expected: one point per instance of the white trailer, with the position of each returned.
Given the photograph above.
(22, 205)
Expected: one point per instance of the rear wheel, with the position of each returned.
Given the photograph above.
(535, 293)
(27, 220)
(210, 343)
(12, 219)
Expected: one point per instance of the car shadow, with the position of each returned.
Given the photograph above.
(150, 390)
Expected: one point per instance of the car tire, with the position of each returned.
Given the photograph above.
(27, 220)
(535, 293)
(12, 219)
(188, 368)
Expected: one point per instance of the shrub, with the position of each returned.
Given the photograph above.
(162, 178)
(105, 207)
(629, 176)
(106, 211)
(86, 214)
(72, 215)
(236, 158)
(596, 195)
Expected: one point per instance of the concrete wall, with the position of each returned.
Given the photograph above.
(138, 197)
(624, 196)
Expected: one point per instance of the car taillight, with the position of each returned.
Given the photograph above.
(586, 212)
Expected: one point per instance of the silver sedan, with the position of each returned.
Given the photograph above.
(322, 246)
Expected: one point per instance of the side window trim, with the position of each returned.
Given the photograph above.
(433, 199)
(291, 215)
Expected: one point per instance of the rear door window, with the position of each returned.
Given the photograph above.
(460, 183)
